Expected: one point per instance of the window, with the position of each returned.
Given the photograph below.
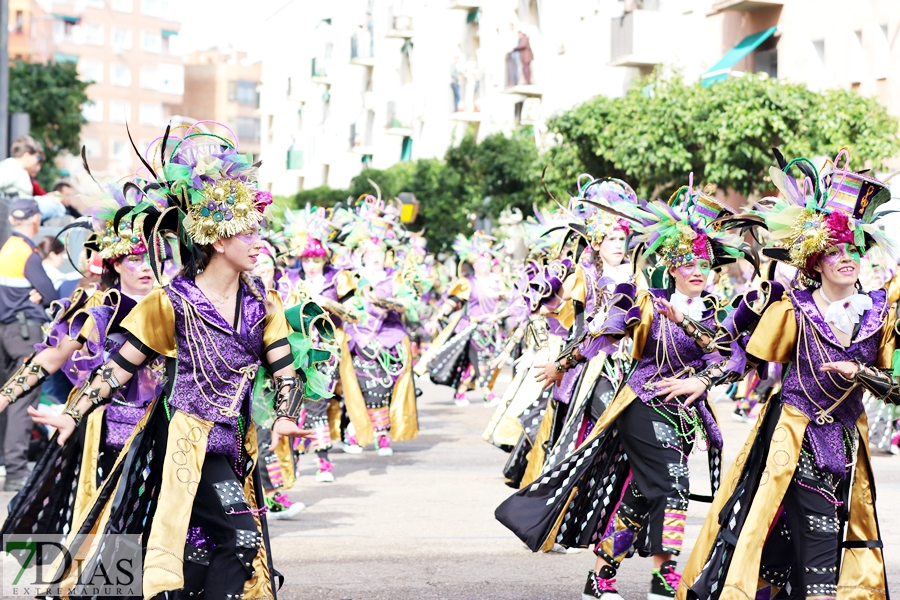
(122, 5)
(20, 22)
(96, 4)
(148, 78)
(856, 56)
(151, 114)
(248, 129)
(170, 78)
(121, 38)
(118, 148)
(151, 8)
(91, 70)
(120, 75)
(119, 111)
(93, 34)
(817, 73)
(92, 110)
(243, 92)
(151, 41)
(91, 147)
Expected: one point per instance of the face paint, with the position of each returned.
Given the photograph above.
(835, 254)
(249, 237)
(135, 262)
(688, 269)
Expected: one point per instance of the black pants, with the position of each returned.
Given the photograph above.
(804, 546)
(14, 348)
(652, 514)
(223, 562)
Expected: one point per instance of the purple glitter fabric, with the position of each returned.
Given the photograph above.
(123, 413)
(197, 538)
(385, 326)
(224, 353)
(804, 386)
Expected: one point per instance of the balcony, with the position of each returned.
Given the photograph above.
(635, 39)
(320, 71)
(362, 50)
(745, 5)
(467, 116)
(399, 121)
(401, 27)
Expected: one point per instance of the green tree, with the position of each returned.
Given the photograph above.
(52, 95)
(664, 128)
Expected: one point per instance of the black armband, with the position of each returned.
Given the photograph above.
(276, 345)
(139, 345)
(881, 384)
(126, 364)
(289, 396)
(284, 361)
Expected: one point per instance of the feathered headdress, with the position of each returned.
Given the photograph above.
(692, 225)
(833, 206)
(308, 230)
(470, 249)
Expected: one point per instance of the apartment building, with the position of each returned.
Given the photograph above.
(368, 82)
(29, 31)
(223, 85)
(125, 48)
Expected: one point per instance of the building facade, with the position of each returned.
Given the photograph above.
(125, 48)
(223, 86)
(29, 31)
(373, 82)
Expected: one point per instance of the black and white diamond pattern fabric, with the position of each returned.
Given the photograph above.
(230, 492)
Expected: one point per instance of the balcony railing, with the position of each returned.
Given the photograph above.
(401, 27)
(362, 49)
(635, 39)
(399, 121)
(745, 5)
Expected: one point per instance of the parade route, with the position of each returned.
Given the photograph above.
(420, 524)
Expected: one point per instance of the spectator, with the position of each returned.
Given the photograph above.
(92, 271)
(512, 58)
(16, 174)
(525, 56)
(66, 196)
(454, 83)
(25, 290)
(53, 254)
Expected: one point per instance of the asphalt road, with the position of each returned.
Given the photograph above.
(420, 524)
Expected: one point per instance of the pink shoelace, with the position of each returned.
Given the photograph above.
(384, 442)
(325, 466)
(282, 499)
(460, 396)
(351, 440)
(672, 578)
(605, 585)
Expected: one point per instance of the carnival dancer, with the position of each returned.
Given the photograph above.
(86, 330)
(308, 231)
(216, 326)
(377, 383)
(586, 389)
(793, 499)
(463, 360)
(626, 488)
(539, 291)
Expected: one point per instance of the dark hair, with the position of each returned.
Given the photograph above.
(24, 145)
(110, 277)
(60, 185)
(199, 258)
(50, 245)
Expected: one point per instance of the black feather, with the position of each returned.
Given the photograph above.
(782, 163)
(140, 156)
(162, 147)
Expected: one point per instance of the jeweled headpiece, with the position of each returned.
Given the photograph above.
(833, 206)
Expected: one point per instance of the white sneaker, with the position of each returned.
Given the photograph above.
(325, 477)
(461, 400)
(351, 448)
(282, 508)
(385, 452)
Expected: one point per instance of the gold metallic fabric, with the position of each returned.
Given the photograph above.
(353, 398)
(775, 337)
(87, 475)
(286, 460)
(536, 455)
(461, 288)
(276, 327)
(641, 331)
(182, 469)
(888, 341)
(152, 321)
(345, 284)
(404, 415)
